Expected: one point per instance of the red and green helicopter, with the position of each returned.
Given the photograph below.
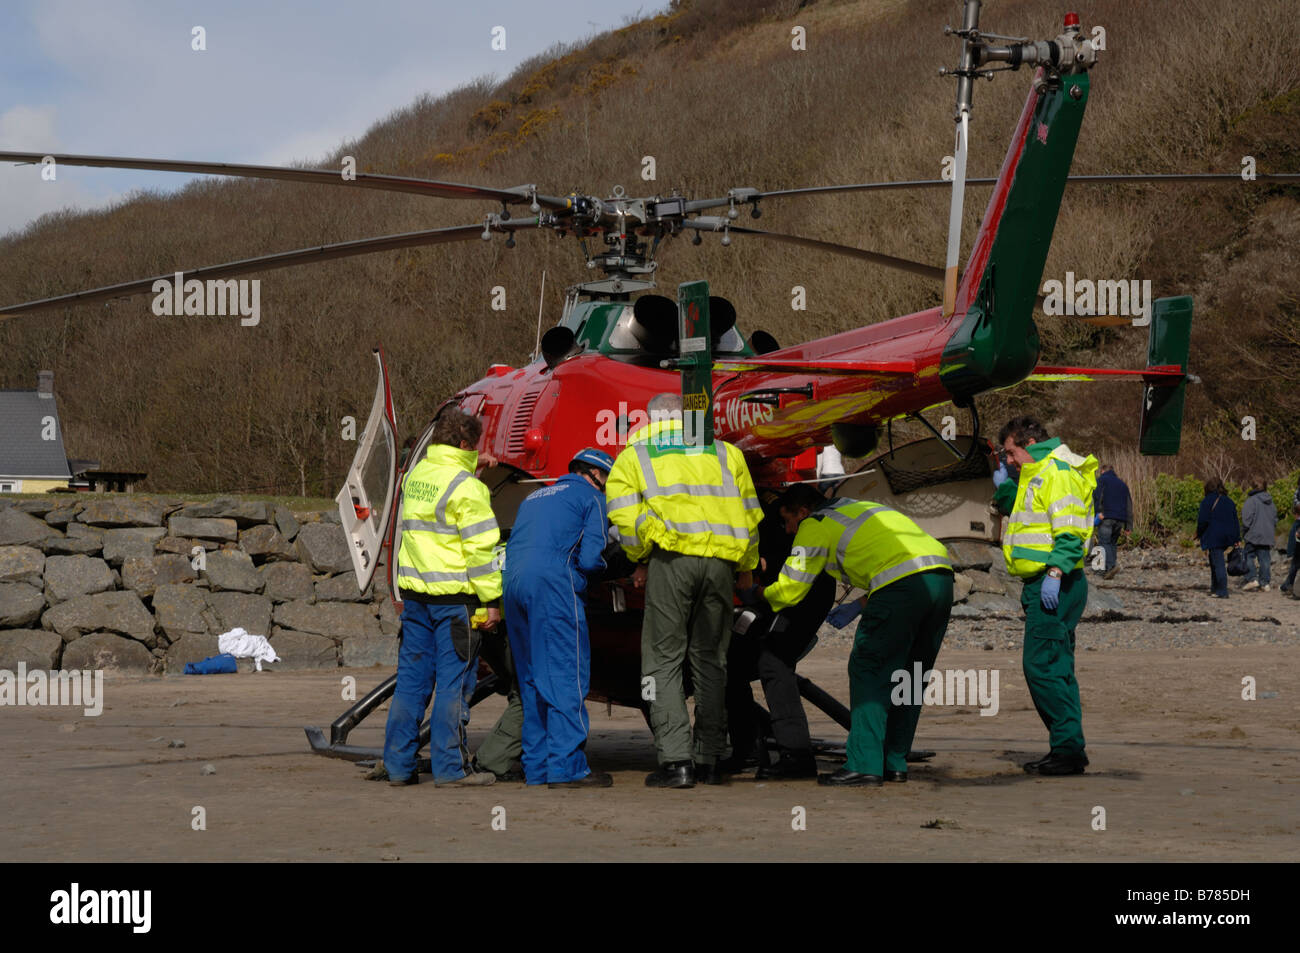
(618, 344)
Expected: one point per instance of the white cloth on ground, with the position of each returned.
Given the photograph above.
(240, 644)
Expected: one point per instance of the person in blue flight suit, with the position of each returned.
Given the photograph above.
(553, 552)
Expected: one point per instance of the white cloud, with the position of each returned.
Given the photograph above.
(23, 127)
(24, 194)
(277, 83)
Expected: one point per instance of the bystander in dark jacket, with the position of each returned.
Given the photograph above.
(1293, 549)
(1113, 504)
(1217, 529)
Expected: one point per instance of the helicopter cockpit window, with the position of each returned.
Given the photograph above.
(574, 321)
(730, 343)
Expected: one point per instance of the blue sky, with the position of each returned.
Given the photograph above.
(280, 80)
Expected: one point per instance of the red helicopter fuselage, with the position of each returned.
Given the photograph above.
(780, 405)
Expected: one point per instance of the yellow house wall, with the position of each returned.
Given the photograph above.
(35, 486)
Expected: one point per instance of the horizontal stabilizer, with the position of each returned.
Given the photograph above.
(748, 365)
(1167, 374)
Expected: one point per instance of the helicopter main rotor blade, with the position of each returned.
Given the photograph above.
(888, 261)
(362, 180)
(741, 196)
(301, 256)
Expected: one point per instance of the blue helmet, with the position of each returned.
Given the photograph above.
(596, 458)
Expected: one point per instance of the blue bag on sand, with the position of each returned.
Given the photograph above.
(213, 665)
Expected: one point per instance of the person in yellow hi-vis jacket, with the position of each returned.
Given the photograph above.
(1045, 542)
(447, 568)
(908, 577)
(687, 514)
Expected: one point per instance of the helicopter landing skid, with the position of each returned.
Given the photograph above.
(336, 746)
(830, 706)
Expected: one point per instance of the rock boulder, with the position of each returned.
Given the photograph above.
(967, 554)
(73, 546)
(986, 582)
(117, 612)
(216, 529)
(106, 651)
(67, 577)
(240, 609)
(121, 512)
(180, 610)
(323, 547)
(20, 605)
(288, 582)
(339, 621)
(231, 570)
(961, 586)
(63, 514)
(22, 564)
(36, 647)
(22, 529)
(342, 588)
(139, 542)
(368, 651)
(285, 523)
(264, 542)
(244, 513)
(300, 650)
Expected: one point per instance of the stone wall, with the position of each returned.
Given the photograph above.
(102, 582)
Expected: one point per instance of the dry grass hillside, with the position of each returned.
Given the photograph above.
(712, 89)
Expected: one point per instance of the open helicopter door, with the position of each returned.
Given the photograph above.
(369, 519)
(366, 500)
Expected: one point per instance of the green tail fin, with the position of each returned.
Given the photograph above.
(1162, 404)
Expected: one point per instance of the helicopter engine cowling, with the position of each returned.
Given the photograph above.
(558, 345)
(655, 322)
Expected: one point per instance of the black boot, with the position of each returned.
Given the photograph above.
(739, 762)
(850, 779)
(791, 765)
(709, 774)
(675, 774)
(1059, 763)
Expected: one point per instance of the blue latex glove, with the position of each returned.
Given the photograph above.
(841, 616)
(750, 596)
(1096, 521)
(1051, 592)
(1000, 475)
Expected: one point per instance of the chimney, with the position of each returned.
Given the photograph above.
(45, 384)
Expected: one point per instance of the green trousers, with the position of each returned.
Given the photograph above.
(501, 750)
(904, 623)
(688, 614)
(1049, 659)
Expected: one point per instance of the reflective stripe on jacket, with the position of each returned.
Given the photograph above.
(1051, 518)
(448, 529)
(867, 544)
(699, 501)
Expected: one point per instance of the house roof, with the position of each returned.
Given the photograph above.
(23, 453)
